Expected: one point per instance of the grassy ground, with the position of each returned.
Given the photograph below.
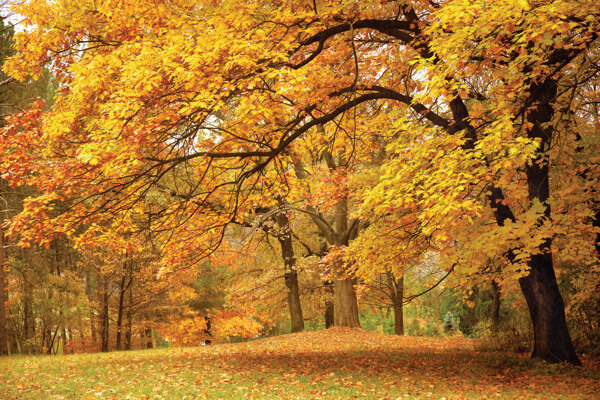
(313, 365)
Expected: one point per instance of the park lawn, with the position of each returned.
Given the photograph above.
(338, 363)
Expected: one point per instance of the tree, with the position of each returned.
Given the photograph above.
(485, 92)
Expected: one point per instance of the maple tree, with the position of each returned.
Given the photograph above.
(186, 114)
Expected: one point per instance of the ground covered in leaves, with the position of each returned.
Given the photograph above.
(338, 363)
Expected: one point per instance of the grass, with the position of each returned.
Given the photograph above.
(338, 363)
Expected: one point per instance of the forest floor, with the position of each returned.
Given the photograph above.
(338, 363)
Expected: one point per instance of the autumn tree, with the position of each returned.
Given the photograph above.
(212, 96)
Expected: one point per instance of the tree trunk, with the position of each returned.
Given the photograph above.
(552, 341)
(49, 340)
(329, 306)
(28, 320)
(284, 237)
(3, 296)
(129, 319)
(596, 224)
(122, 289)
(345, 301)
(103, 317)
(148, 344)
(496, 298)
(397, 295)
(93, 318)
(345, 304)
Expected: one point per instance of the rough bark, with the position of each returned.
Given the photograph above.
(345, 304)
(552, 341)
(284, 237)
(3, 296)
(345, 301)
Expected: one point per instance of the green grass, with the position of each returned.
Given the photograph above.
(337, 363)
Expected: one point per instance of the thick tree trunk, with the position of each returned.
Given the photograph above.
(345, 304)
(284, 237)
(552, 341)
(397, 295)
(345, 301)
(3, 296)
(293, 297)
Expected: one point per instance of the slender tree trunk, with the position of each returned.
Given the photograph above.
(93, 318)
(596, 224)
(129, 319)
(329, 306)
(284, 236)
(28, 320)
(122, 289)
(49, 340)
(103, 317)
(28, 323)
(496, 299)
(147, 334)
(3, 295)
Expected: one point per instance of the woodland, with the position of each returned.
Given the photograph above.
(187, 172)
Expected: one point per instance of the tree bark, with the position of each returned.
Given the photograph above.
(3, 296)
(397, 295)
(329, 306)
(345, 301)
(129, 319)
(122, 289)
(28, 320)
(345, 304)
(552, 341)
(496, 299)
(103, 315)
(284, 237)
(147, 336)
